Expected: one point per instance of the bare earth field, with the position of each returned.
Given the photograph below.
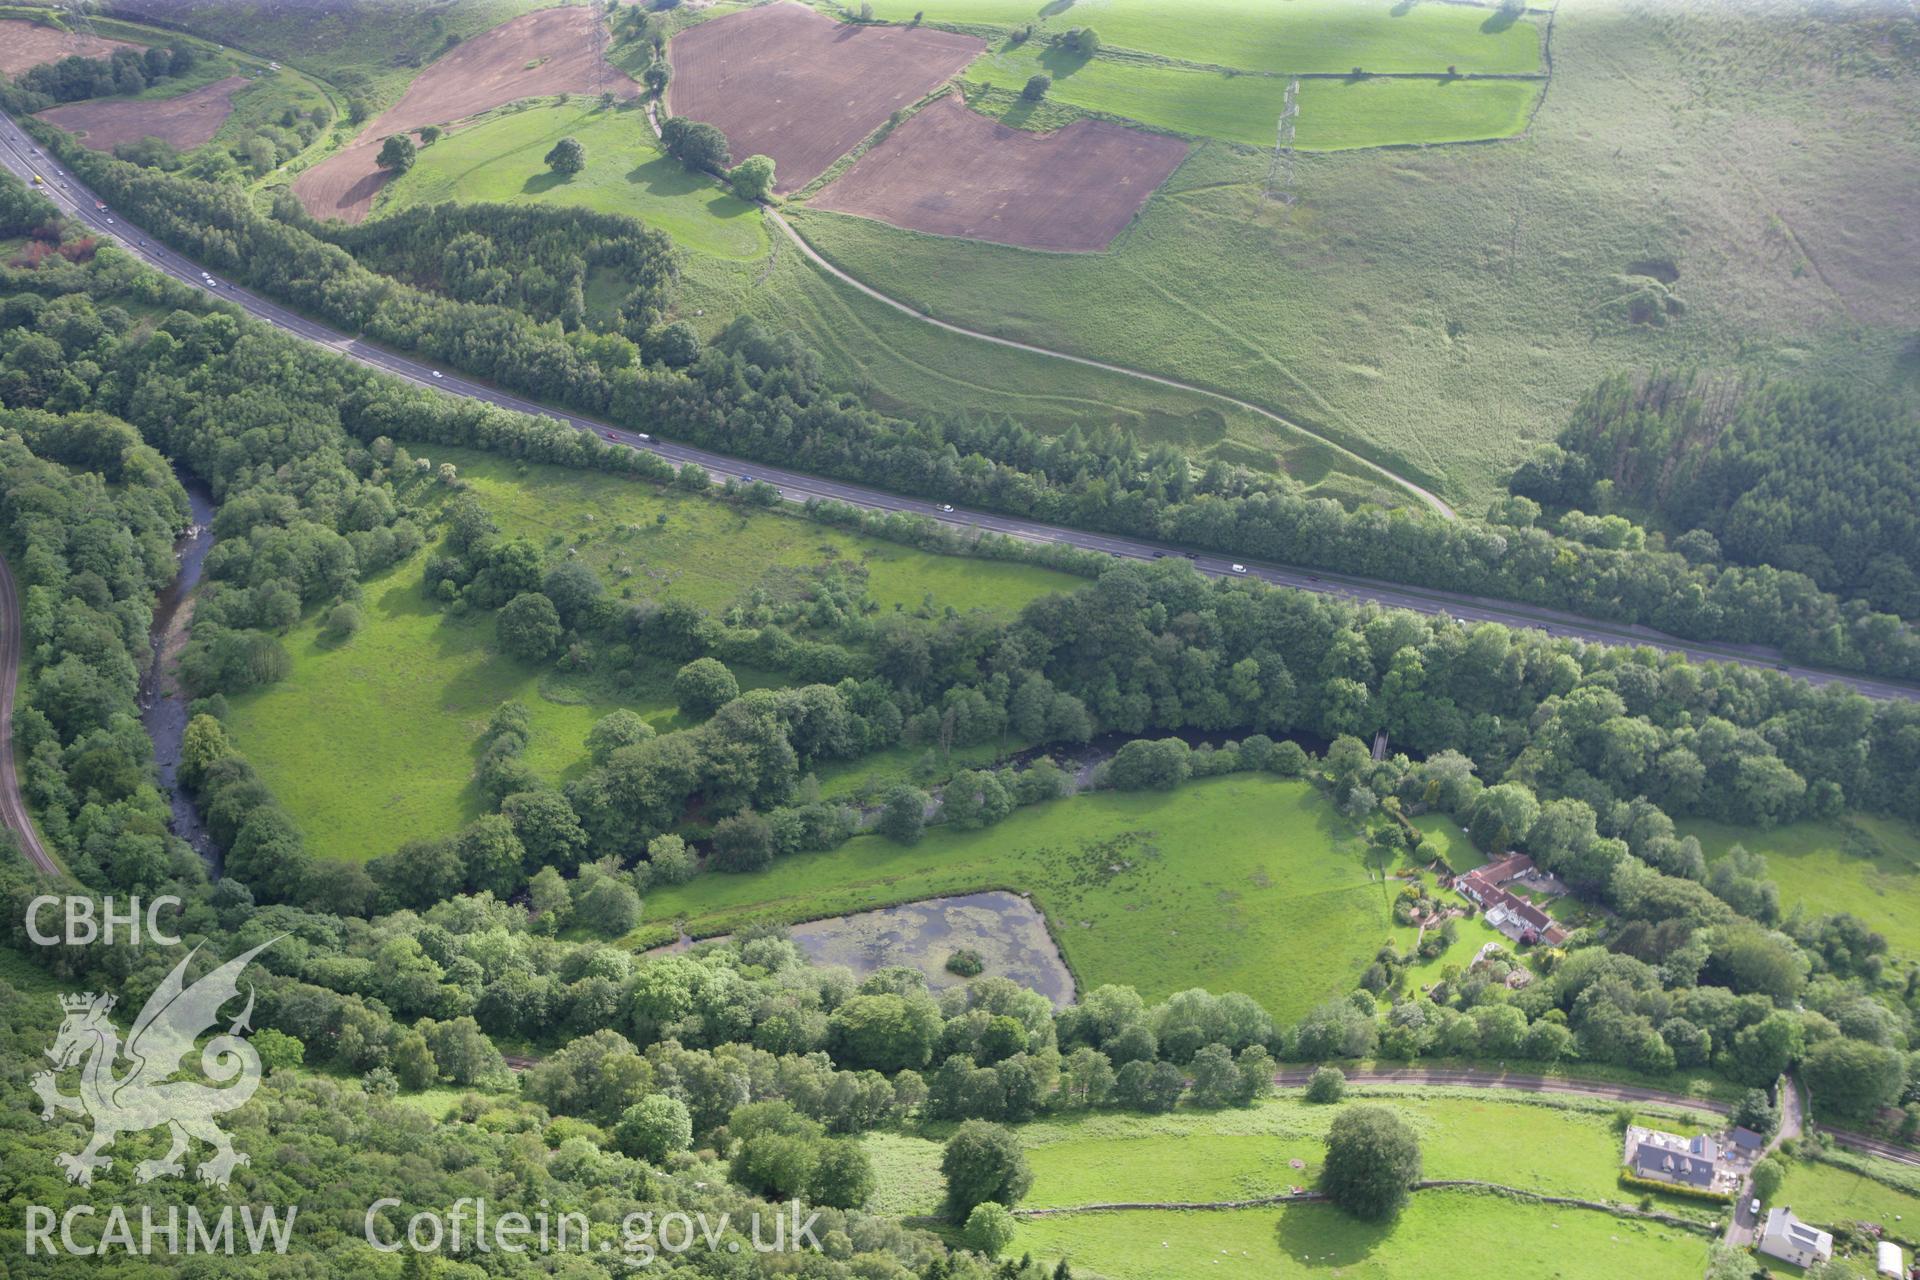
(953, 172)
(545, 52)
(786, 82)
(186, 121)
(24, 45)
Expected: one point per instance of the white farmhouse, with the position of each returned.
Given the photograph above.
(1788, 1238)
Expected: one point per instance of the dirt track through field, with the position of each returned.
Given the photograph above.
(187, 121)
(546, 52)
(787, 82)
(953, 172)
(24, 45)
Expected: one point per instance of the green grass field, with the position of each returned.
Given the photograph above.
(1441, 309)
(1260, 35)
(708, 551)
(735, 266)
(1832, 1194)
(1203, 1156)
(371, 743)
(1555, 1146)
(1334, 114)
(1865, 865)
(1442, 1235)
(1240, 883)
(501, 160)
(398, 708)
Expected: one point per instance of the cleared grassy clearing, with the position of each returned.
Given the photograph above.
(502, 159)
(398, 708)
(1259, 35)
(371, 743)
(1240, 883)
(1442, 1235)
(1334, 114)
(708, 552)
(1441, 309)
(1864, 865)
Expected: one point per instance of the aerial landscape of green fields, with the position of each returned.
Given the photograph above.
(960, 639)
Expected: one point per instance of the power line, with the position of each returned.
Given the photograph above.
(1280, 168)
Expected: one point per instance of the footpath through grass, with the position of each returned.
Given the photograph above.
(1242, 883)
(1442, 309)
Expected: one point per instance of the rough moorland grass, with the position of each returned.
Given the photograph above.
(908, 367)
(371, 743)
(1260, 35)
(1867, 866)
(708, 551)
(1441, 1235)
(1832, 1194)
(1241, 883)
(1334, 114)
(1441, 309)
(502, 159)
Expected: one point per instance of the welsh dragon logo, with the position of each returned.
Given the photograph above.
(144, 1096)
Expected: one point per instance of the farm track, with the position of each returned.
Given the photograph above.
(17, 152)
(13, 806)
(1432, 499)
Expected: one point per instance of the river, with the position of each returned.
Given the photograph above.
(163, 704)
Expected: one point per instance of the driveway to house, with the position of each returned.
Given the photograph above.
(1745, 1223)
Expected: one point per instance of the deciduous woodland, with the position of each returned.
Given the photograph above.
(625, 843)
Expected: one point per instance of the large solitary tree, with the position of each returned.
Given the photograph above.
(567, 158)
(983, 1162)
(396, 154)
(752, 178)
(698, 146)
(1373, 1159)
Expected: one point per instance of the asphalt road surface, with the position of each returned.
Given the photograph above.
(13, 807)
(17, 152)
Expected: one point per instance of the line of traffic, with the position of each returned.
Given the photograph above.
(18, 152)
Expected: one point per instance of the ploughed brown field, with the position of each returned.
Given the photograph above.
(787, 82)
(476, 75)
(953, 172)
(186, 121)
(24, 45)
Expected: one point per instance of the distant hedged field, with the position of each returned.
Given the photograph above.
(483, 709)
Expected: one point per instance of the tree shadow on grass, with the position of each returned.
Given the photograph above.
(1321, 1237)
(542, 182)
